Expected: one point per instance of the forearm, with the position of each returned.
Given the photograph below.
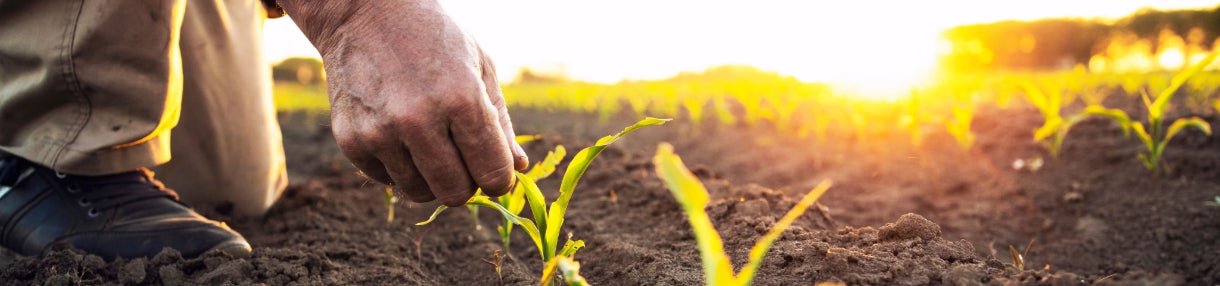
(326, 23)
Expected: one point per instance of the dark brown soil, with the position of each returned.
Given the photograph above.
(897, 214)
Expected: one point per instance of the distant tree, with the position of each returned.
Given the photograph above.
(1063, 43)
(301, 70)
(527, 75)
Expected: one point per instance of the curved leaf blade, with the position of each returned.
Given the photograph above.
(537, 203)
(1183, 123)
(760, 248)
(1158, 106)
(1115, 114)
(525, 223)
(435, 213)
(693, 197)
(576, 169)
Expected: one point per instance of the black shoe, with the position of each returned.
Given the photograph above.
(124, 215)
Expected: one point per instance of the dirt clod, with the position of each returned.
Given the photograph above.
(910, 226)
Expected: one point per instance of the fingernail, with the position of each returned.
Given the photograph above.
(521, 162)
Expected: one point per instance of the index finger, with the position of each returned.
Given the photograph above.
(480, 140)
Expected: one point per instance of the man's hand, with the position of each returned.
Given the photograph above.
(414, 101)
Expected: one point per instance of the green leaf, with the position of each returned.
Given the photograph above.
(1143, 135)
(1180, 124)
(576, 169)
(515, 201)
(1148, 163)
(522, 139)
(528, 225)
(571, 272)
(435, 213)
(1049, 128)
(546, 167)
(571, 246)
(537, 203)
(1158, 107)
(1115, 114)
(760, 248)
(693, 197)
(562, 264)
(1062, 131)
(1040, 99)
(506, 232)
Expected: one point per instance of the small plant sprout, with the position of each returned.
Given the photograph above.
(544, 229)
(390, 199)
(1048, 103)
(515, 201)
(1056, 127)
(1018, 258)
(1155, 136)
(693, 197)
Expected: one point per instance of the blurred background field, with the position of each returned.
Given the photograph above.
(1081, 60)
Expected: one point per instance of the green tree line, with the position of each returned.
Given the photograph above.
(1064, 43)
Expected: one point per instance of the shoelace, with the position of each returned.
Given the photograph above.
(102, 193)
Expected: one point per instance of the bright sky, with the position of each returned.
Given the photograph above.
(862, 43)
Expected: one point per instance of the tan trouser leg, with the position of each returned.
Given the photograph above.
(227, 147)
(89, 87)
(93, 87)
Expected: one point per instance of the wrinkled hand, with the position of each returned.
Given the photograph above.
(415, 102)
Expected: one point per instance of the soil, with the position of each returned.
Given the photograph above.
(898, 214)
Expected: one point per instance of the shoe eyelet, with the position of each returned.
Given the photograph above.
(93, 212)
(60, 175)
(84, 202)
(73, 189)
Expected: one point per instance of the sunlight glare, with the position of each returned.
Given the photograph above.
(876, 49)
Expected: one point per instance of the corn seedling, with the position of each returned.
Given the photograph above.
(1049, 103)
(693, 197)
(390, 199)
(1055, 127)
(1018, 258)
(515, 202)
(544, 229)
(1155, 136)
